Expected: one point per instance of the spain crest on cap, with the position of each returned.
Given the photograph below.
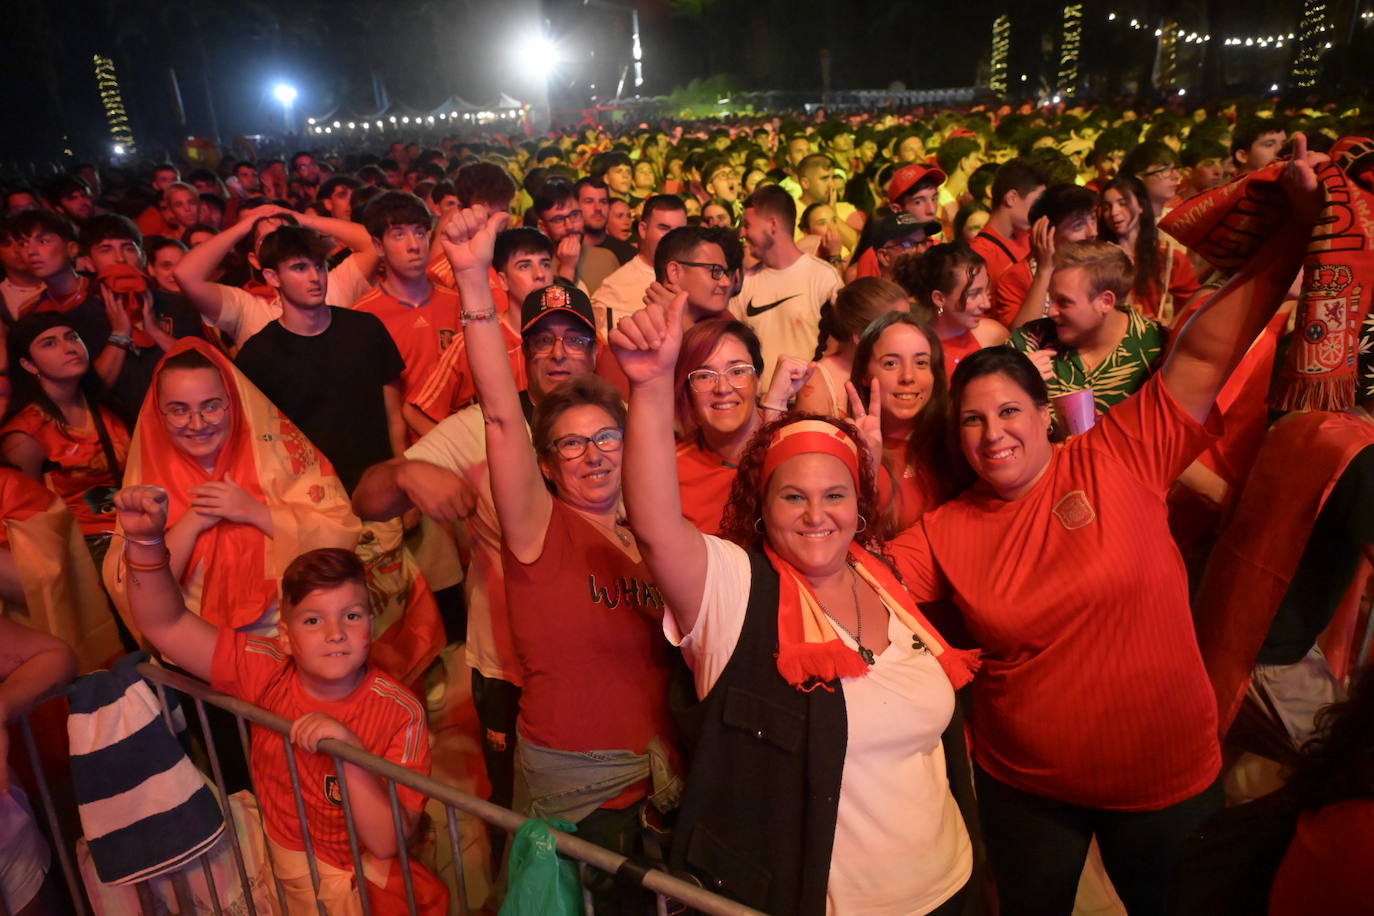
(556, 297)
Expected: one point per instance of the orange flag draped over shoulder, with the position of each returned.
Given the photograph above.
(236, 566)
(62, 593)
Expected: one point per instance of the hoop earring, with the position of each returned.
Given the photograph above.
(758, 524)
(863, 525)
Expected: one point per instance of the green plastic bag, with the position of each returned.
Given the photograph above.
(542, 883)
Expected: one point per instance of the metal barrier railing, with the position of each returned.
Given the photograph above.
(663, 885)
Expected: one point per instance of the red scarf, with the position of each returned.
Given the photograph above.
(1228, 225)
(809, 650)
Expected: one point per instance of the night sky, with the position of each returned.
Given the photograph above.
(338, 52)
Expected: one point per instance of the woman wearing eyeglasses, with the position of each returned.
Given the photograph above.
(596, 741)
(718, 410)
(247, 492)
(1164, 277)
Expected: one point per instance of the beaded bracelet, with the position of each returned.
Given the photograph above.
(469, 317)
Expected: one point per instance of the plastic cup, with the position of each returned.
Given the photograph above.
(1077, 411)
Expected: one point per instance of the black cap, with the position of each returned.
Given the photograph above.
(556, 298)
(895, 226)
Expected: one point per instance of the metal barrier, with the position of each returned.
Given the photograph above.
(664, 886)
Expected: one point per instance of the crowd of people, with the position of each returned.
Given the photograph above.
(863, 514)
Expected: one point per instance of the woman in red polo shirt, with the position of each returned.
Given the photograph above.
(1093, 714)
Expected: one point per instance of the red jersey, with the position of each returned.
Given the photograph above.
(422, 330)
(956, 348)
(1010, 292)
(152, 222)
(448, 386)
(704, 480)
(1177, 279)
(76, 468)
(867, 265)
(1092, 689)
(440, 273)
(999, 251)
(1326, 868)
(383, 715)
(586, 621)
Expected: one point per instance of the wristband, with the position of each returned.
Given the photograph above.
(782, 409)
(470, 317)
(163, 563)
(121, 341)
(144, 542)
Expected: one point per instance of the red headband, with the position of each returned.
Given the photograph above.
(806, 437)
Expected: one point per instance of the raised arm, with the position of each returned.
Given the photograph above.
(194, 270)
(523, 503)
(155, 600)
(1042, 248)
(646, 344)
(1212, 343)
(351, 235)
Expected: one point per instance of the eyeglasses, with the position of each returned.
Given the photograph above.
(1162, 170)
(717, 270)
(574, 216)
(210, 413)
(904, 244)
(570, 448)
(542, 344)
(707, 379)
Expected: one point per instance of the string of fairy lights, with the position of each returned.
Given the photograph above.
(1069, 48)
(1271, 40)
(112, 100)
(316, 126)
(1001, 44)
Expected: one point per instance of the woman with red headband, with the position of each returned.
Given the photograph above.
(818, 782)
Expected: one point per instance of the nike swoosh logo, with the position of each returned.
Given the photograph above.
(751, 310)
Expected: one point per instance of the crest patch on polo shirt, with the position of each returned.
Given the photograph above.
(1074, 511)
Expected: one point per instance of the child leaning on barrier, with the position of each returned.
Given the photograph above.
(317, 675)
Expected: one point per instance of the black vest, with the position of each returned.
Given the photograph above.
(757, 822)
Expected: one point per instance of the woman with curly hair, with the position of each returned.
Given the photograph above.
(818, 780)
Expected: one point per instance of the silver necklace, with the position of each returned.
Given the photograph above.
(864, 652)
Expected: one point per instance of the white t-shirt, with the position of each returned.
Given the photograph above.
(784, 307)
(243, 314)
(459, 444)
(623, 291)
(900, 843)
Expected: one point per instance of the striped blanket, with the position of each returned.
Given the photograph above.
(145, 808)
